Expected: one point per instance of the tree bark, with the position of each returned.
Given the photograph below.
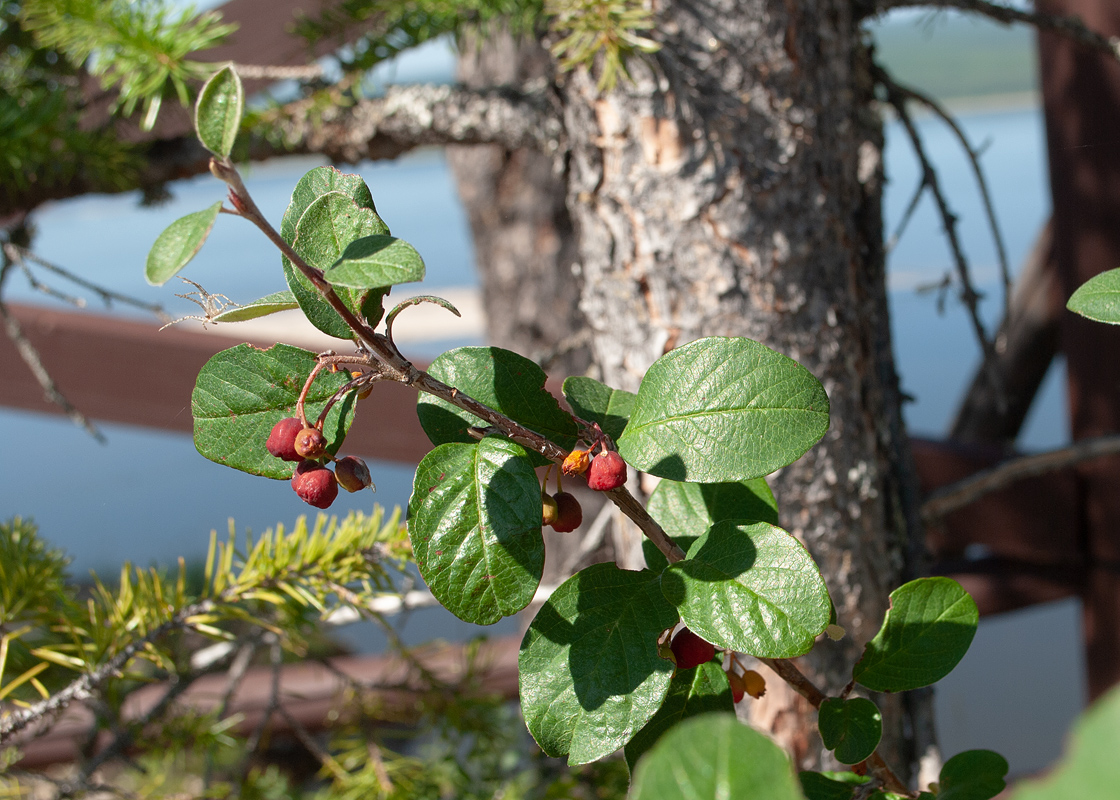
(733, 188)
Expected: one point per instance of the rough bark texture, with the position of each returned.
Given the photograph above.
(734, 189)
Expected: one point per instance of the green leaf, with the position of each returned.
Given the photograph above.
(850, 728)
(927, 631)
(830, 785)
(475, 526)
(503, 380)
(243, 391)
(596, 402)
(313, 186)
(376, 262)
(723, 409)
(1098, 298)
(217, 114)
(977, 775)
(589, 669)
(269, 304)
(1090, 767)
(692, 691)
(687, 510)
(178, 244)
(714, 756)
(750, 587)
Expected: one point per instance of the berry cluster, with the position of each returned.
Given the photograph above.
(293, 440)
(689, 650)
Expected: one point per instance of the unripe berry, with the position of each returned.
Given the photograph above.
(569, 514)
(352, 474)
(607, 471)
(282, 440)
(550, 511)
(311, 443)
(315, 484)
(754, 683)
(690, 650)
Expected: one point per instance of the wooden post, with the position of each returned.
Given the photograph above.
(1081, 90)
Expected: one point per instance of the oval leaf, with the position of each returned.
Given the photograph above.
(714, 756)
(692, 692)
(722, 409)
(589, 670)
(596, 402)
(374, 262)
(217, 114)
(687, 510)
(1098, 298)
(503, 380)
(178, 244)
(269, 304)
(750, 587)
(850, 728)
(318, 182)
(978, 775)
(242, 392)
(475, 526)
(830, 785)
(927, 631)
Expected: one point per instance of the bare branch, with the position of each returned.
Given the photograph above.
(1068, 26)
(948, 499)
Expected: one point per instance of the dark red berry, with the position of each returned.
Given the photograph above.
(690, 650)
(282, 440)
(738, 688)
(607, 471)
(550, 511)
(310, 443)
(315, 484)
(352, 474)
(569, 514)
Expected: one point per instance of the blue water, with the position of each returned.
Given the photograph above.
(148, 496)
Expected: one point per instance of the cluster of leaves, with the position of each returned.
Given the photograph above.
(589, 29)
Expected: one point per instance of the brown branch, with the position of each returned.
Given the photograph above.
(1071, 27)
(957, 495)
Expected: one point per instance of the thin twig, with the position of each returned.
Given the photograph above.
(308, 72)
(981, 182)
(897, 98)
(948, 499)
(1069, 26)
(34, 363)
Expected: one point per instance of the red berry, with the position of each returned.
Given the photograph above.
(315, 484)
(690, 650)
(738, 688)
(282, 440)
(550, 511)
(569, 514)
(311, 443)
(607, 471)
(352, 474)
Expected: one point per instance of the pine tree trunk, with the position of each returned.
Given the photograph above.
(733, 188)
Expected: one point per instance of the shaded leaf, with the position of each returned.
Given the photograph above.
(375, 262)
(217, 114)
(687, 510)
(714, 756)
(243, 391)
(974, 775)
(750, 587)
(1090, 767)
(262, 307)
(830, 785)
(596, 402)
(723, 409)
(1098, 298)
(589, 669)
(475, 526)
(178, 244)
(928, 629)
(850, 728)
(502, 380)
(692, 691)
